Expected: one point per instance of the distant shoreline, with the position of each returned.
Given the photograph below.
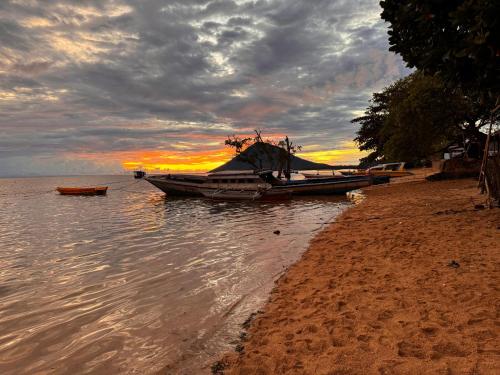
(404, 282)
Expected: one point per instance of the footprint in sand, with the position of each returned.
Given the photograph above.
(446, 349)
(341, 305)
(409, 349)
(385, 315)
(429, 331)
(364, 338)
(338, 342)
(484, 335)
(311, 328)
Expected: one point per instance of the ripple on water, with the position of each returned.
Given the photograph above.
(133, 281)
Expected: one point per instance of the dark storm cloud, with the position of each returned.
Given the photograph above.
(120, 75)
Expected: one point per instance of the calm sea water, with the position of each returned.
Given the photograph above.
(134, 282)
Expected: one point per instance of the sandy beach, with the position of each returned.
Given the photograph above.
(406, 282)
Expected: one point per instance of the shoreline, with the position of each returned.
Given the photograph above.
(407, 281)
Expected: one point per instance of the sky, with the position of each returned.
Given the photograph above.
(103, 86)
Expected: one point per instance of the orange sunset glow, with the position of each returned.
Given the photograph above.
(161, 160)
(203, 161)
(194, 161)
(347, 153)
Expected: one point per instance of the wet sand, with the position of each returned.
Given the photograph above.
(377, 292)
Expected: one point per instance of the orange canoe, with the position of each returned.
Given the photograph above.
(98, 190)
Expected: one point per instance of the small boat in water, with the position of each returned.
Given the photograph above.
(139, 174)
(98, 190)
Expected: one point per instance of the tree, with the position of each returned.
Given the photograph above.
(370, 136)
(287, 149)
(416, 117)
(422, 120)
(270, 154)
(459, 40)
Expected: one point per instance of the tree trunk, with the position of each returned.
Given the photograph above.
(288, 173)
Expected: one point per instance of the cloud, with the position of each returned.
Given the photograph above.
(124, 76)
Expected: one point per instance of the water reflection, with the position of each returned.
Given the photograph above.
(134, 281)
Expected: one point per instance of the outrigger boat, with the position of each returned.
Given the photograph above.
(98, 190)
(376, 180)
(206, 185)
(323, 186)
(249, 184)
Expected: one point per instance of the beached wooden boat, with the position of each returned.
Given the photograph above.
(385, 170)
(97, 190)
(325, 186)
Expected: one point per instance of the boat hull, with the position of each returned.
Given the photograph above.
(379, 180)
(99, 190)
(325, 186)
(175, 188)
(199, 186)
(318, 176)
(379, 173)
(278, 190)
(382, 170)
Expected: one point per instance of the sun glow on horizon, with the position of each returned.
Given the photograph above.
(348, 153)
(163, 160)
(206, 160)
